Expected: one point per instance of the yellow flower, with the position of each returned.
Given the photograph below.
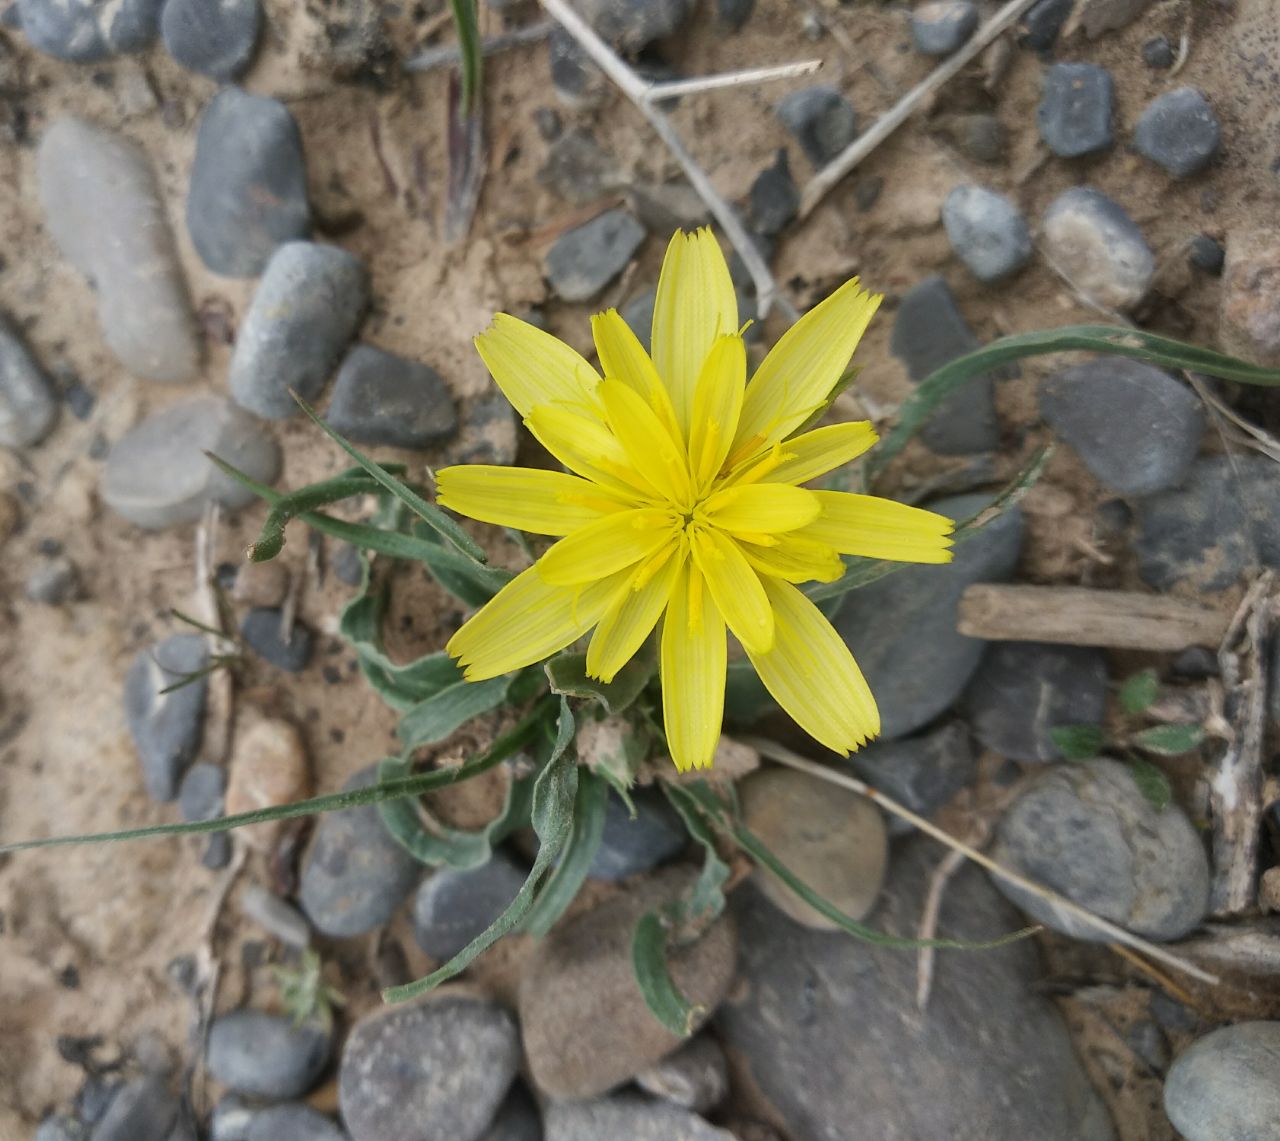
(685, 505)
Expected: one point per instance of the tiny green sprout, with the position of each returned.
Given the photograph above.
(304, 992)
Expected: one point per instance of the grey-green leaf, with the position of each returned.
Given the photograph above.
(1153, 784)
(567, 673)
(444, 712)
(661, 995)
(1139, 690)
(570, 873)
(1169, 740)
(1078, 742)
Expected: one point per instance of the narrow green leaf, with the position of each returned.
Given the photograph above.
(465, 579)
(1153, 784)
(661, 995)
(435, 718)
(1139, 690)
(565, 881)
(706, 901)
(467, 25)
(1078, 742)
(1169, 740)
(567, 673)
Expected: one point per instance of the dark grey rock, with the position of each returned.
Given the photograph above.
(275, 916)
(157, 475)
(248, 183)
(579, 84)
(217, 851)
(1149, 1045)
(436, 1070)
(307, 307)
(85, 31)
(695, 1077)
(266, 1055)
(231, 1118)
(850, 997)
(1179, 132)
(346, 565)
(28, 409)
(633, 24)
(638, 314)
(166, 728)
(1207, 254)
(261, 630)
(488, 434)
(1074, 116)
(201, 794)
(1157, 53)
(142, 1108)
(1224, 520)
(293, 1122)
(216, 40)
(902, 629)
(1226, 1086)
(928, 331)
(454, 906)
(627, 1116)
(987, 232)
(1042, 23)
(821, 120)
(60, 1127)
(1023, 690)
(578, 169)
(1196, 663)
(132, 25)
(664, 207)
(585, 259)
(355, 875)
(939, 27)
(517, 1119)
(1097, 247)
(734, 14)
(94, 1098)
(978, 136)
(380, 398)
(1136, 428)
(53, 581)
(1089, 833)
(775, 198)
(627, 846)
(922, 772)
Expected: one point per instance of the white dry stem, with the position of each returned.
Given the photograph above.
(220, 700)
(642, 94)
(785, 756)
(942, 874)
(825, 180)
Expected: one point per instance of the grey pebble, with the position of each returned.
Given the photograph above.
(517, 1119)
(902, 629)
(166, 728)
(28, 409)
(627, 1116)
(455, 905)
(276, 916)
(158, 476)
(1088, 832)
(293, 1122)
(578, 169)
(939, 27)
(489, 433)
(638, 314)
(923, 772)
(86, 31)
(266, 1055)
(1179, 132)
(1207, 254)
(987, 232)
(307, 307)
(346, 565)
(1136, 428)
(143, 1108)
(214, 39)
(634, 24)
(775, 198)
(664, 207)
(94, 1098)
(979, 136)
(380, 398)
(53, 581)
(355, 875)
(1226, 1086)
(1157, 53)
(248, 183)
(218, 850)
(928, 331)
(202, 791)
(694, 1077)
(436, 1070)
(61, 1127)
(585, 259)
(821, 120)
(104, 211)
(1074, 116)
(627, 846)
(1023, 690)
(1042, 23)
(578, 83)
(261, 629)
(1097, 248)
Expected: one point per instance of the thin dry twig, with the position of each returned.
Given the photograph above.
(674, 88)
(951, 863)
(220, 693)
(639, 92)
(826, 179)
(785, 756)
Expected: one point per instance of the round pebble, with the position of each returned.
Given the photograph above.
(202, 791)
(454, 906)
(266, 1055)
(1207, 254)
(87, 31)
(1179, 132)
(585, 259)
(987, 232)
(630, 845)
(276, 916)
(1157, 53)
(262, 630)
(214, 39)
(633, 24)
(1226, 1086)
(939, 27)
(1075, 109)
(1042, 22)
(1095, 245)
(28, 409)
(821, 120)
(380, 398)
(166, 727)
(295, 1122)
(143, 1108)
(775, 198)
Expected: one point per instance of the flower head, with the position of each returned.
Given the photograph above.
(683, 504)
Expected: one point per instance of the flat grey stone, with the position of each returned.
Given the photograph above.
(518, 1118)
(578, 169)
(104, 211)
(202, 791)
(578, 83)
(1136, 428)
(293, 1122)
(166, 728)
(216, 39)
(306, 309)
(142, 1108)
(694, 1077)
(1074, 116)
(627, 1116)
(248, 183)
(266, 1055)
(157, 474)
(987, 232)
(262, 628)
(821, 120)
(939, 27)
(276, 916)
(61, 1127)
(1179, 132)
(585, 259)
(1226, 1086)
(923, 773)
(1097, 248)
(1041, 24)
(775, 198)
(454, 906)
(380, 398)
(633, 24)
(902, 628)
(1157, 53)
(86, 31)
(1088, 832)
(630, 846)
(28, 409)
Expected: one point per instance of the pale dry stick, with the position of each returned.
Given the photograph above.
(785, 756)
(826, 179)
(639, 92)
(450, 54)
(674, 88)
(942, 874)
(220, 692)
(1247, 435)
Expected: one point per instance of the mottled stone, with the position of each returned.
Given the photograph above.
(1226, 1086)
(1102, 16)
(1249, 304)
(585, 259)
(1074, 116)
(86, 31)
(293, 1122)
(923, 773)
(940, 27)
(629, 845)
(633, 24)
(695, 1077)
(774, 198)
(627, 1116)
(143, 1108)
(216, 39)
(266, 1055)
(166, 727)
(1179, 132)
(1042, 22)
(28, 409)
(456, 905)
(987, 232)
(1095, 245)
(821, 120)
(380, 398)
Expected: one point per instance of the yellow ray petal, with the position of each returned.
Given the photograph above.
(795, 560)
(802, 368)
(528, 620)
(880, 528)
(651, 449)
(632, 617)
(622, 357)
(762, 508)
(585, 445)
(606, 546)
(822, 450)
(541, 502)
(812, 675)
(533, 367)
(717, 404)
(695, 305)
(693, 663)
(735, 587)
